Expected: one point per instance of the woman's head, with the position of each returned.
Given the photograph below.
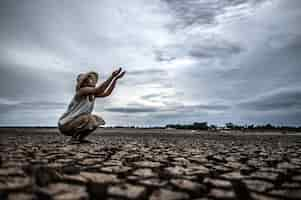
(87, 79)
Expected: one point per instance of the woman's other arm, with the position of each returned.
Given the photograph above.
(111, 87)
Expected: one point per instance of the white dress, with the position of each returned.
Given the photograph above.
(77, 106)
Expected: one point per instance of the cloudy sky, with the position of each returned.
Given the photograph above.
(186, 60)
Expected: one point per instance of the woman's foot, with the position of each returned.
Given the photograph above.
(85, 141)
(73, 140)
(79, 140)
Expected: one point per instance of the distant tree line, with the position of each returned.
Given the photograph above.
(232, 126)
(195, 125)
(262, 127)
(227, 126)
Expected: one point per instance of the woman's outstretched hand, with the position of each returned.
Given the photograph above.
(120, 75)
(116, 72)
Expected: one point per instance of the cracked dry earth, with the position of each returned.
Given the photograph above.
(166, 166)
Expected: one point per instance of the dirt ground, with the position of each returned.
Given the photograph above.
(39, 163)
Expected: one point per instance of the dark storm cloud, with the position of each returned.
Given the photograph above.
(294, 44)
(185, 60)
(161, 110)
(217, 49)
(285, 99)
(147, 72)
(150, 96)
(275, 68)
(147, 76)
(193, 12)
(28, 25)
(174, 114)
(201, 107)
(213, 107)
(160, 56)
(131, 110)
(198, 13)
(43, 105)
(19, 82)
(8, 105)
(199, 48)
(160, 95)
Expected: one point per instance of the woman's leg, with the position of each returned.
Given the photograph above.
(97, 120)
(71, 127)
(82, 126)
(94, 122)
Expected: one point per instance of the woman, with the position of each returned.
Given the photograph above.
(78, 121)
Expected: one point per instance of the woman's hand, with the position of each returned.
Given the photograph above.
(116, 72)
(120, 75)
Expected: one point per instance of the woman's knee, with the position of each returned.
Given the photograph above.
(84, 118)
(97, 120)
(76, 123)
(88, 121)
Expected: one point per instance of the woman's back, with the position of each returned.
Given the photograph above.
(78, 106)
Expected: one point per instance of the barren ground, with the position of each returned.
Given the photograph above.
(149, 164)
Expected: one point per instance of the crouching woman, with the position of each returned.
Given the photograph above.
(78, 121)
